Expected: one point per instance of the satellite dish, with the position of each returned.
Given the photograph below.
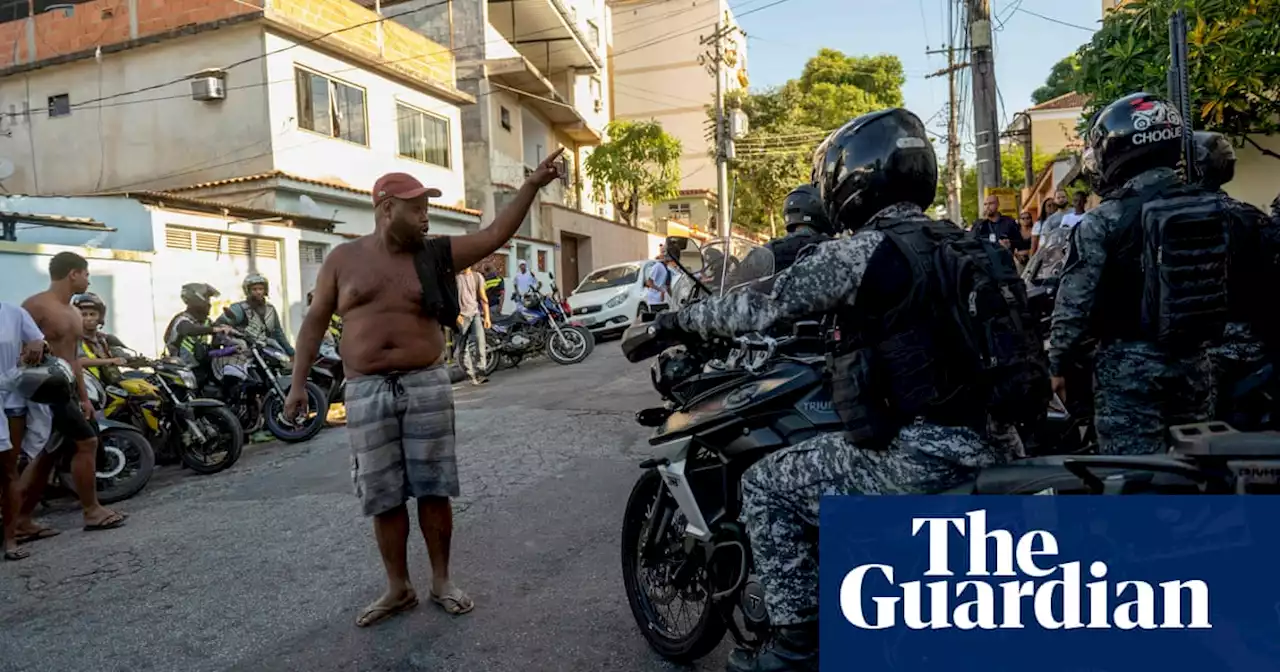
(6, 169)
(310, 207)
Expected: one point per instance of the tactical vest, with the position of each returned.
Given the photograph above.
(191, 349)
(787, 248)
(1159, 280)
(890, 366)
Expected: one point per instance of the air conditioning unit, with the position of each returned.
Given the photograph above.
(599, 105)
(209, 85)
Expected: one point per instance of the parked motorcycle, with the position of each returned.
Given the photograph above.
(159, 398)
(125, 460)
(259, 399)
(327, 374)
(540, 324)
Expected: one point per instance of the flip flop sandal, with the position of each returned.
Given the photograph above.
(112, 522)
(16, 554)
(456, 603)
(42, 533)
(377, 613)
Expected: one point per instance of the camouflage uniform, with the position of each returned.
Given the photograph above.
(781, 492)
(1139, 391)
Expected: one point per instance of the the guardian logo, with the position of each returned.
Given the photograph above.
(1050, 595)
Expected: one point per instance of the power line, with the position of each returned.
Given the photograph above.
(1057, 21)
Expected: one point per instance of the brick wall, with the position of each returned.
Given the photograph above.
(402, 49)
(107, 22)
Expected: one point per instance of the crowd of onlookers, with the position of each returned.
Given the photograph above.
(1032, 230)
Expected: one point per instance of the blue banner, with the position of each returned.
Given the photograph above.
(1050, 584)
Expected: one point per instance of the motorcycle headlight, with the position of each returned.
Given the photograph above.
(188, 379)
(616, 301)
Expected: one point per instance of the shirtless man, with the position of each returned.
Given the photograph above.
(399, 396)
(63, 327)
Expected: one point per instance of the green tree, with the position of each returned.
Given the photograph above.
(787, 122)
(1012, 175)
(1060, 81)
(1234, 61)
(640, 163)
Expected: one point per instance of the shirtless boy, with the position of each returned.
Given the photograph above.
(399, 397)
(63, 327)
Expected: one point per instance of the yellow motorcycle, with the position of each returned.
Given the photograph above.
(158, 397)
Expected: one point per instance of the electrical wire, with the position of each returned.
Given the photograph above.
(1057, 21)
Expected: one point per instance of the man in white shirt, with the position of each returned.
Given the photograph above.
(655, 288)
(21, 342)
(525, 281)
(1072, 218)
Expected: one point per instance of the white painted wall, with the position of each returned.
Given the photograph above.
(119, 278)
(118, 145)
(317, 156)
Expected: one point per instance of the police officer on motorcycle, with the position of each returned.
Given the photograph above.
(1151, 324)
(1255, 270)
(807, 224)
(875, 176)
(255, 316)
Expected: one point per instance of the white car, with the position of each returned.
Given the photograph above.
(608, 300)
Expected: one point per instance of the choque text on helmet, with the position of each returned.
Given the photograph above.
(1038, 594)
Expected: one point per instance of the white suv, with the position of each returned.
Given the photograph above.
(607, 300)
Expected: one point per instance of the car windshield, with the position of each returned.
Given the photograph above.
(607, 278)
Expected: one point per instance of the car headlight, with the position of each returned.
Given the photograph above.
(616, 301)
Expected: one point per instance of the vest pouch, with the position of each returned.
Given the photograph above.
(858, 402)
(1184, 264)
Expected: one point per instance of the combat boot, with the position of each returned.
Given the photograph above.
(794, 648)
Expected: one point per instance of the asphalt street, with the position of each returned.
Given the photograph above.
(265, 566)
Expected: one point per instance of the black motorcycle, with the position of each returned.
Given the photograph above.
(328, 375)
(258, 400)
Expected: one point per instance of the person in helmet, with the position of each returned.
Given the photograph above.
(189, 333)
(875, 176)
(806, 222)
(1150, 323)
(1253, 329)
(96, 345)
(255, 316)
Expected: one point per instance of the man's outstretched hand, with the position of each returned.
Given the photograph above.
(548, 171)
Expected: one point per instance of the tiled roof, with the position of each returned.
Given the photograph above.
(164, 198)
(1066, 101)
(280, 174)
(697, 192)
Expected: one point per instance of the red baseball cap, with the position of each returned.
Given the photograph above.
(401, 185)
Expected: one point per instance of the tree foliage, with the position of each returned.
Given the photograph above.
(1060, 82)
(1012, 175)
(787, 122)
(640, 163)
(1233, 47)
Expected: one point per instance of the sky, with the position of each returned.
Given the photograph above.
(782, 37)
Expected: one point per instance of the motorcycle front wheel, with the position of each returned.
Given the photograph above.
(570, 346)
(647, 577)
(219, 451)
(317, 406)
(490, 357)
(124, 466)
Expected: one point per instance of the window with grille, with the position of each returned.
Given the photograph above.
(680, 210)
(542, 261)
(208, 242)
(423, 136)
(312, 253)
(264, 248)
(238, 246)
(330, 107)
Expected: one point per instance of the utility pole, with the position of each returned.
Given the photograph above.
(1023, 136)
(714, 61)
(954, 169)
(985, 108)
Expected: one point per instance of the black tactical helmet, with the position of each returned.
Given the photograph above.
(873, 162)
(91, 300)
(1215, 159)
(1137, 133)
(197, 295)
(804, 206)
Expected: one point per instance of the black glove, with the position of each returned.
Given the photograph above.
(665, 326)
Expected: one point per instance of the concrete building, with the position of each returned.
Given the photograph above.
(285, 105)
(656, 75)
(146, 245)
